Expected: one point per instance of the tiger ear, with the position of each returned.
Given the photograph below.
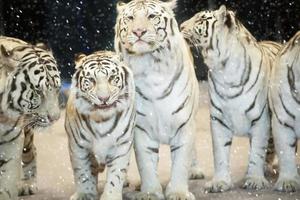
(120, 6)
(222, 12)
(78, 60)
(42, 45)
(5, 59)
(172, 4)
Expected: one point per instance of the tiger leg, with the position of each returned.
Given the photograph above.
(285, 144)
(84, 173)
(10, 168)
(146, 152)
(271, 156)
(28, 184)
(116, 174)
(259, 136)
(222, 140)
(195, 171)
(181, 150)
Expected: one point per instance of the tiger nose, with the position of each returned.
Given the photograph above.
(103, 98)
(139, 32)
(53, 117)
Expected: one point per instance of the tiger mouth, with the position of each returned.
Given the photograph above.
(105, 106)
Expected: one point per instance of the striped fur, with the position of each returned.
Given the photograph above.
(285, 105)
(239, 70)
(30, 84)
(100, 116)
(147, 35)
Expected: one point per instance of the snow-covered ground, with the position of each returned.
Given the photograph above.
(55, 178)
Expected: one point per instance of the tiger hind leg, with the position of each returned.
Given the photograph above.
(10, 167)
(28, 184)
(259, 136)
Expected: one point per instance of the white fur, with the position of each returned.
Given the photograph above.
(286, 129)
(156, 123)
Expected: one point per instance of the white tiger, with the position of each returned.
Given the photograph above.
(30, 83)
(147, 35)
(285, 105)
(100, 116)
(239, 70)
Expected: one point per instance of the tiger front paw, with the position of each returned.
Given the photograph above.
(180, 196)
(28, 188)
(196, 173)
(215, 186)
(149, 196)
(287, 185)
(83, 196)
(5, 195)
(256, 183)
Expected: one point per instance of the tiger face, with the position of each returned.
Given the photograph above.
(102, 84)
(202, 27)
(144, 25)
(32, 85)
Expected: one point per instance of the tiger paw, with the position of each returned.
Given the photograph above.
(287, 185)
(5, 195)
(83, 196)
(196, 173)
(180, 196)
(256, 183)
(111, 196)
(215, 186)
(149, 196)
(28, 188)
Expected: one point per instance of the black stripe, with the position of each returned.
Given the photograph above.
(220, 121)
(153, 150)
(4, 162)
(285, 108)
(181, 105)
(170, 87)
(138, 90)
(257, 75)
(174, 148)
(282, 123)
(256, 119)
(228, 143)
(214, 105)
(253, 103)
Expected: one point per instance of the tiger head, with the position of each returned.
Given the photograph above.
(203, 26)
(144, 26)
(103, 84)
(31, 84)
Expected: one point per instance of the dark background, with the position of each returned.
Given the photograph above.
(72, 26)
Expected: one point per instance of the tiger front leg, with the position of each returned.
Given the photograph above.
(195, 172)
(222, 140)
(28, 185)
(146, 152)
(285, 144)
(181, 151)
(85, 179)
(117, 173)
(259, 136)
(10, 167)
